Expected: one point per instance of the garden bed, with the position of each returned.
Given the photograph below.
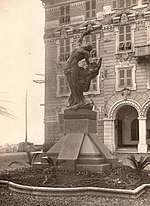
(123, 177)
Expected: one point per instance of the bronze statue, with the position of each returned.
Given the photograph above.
(78, 77)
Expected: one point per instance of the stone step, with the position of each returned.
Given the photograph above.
(90, 160)
(92, 168)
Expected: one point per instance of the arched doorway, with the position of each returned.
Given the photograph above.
(127, 127)
(148, 127)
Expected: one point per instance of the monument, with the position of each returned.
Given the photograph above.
(80, 146)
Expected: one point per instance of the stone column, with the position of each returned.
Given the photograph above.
(142, 146)
(109, 134)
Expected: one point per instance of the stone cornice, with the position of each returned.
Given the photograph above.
(107, 27)
(77, 4)
(51, 9)
(57, 8)
(50, 40)
(72, 3)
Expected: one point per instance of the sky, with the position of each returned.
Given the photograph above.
(21, 59)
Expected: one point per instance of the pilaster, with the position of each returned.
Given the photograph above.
(142, 146)
(109, 134)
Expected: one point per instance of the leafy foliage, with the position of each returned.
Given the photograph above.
(139, 165)
(4, 112)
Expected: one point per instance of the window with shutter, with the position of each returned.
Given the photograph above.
(122, 78)
(61, 83)
(90, 9)
(125, 38)
(92, 40)
(64, 50)
(62, 86)
(121, 3)
(116, 4)
(64, 14)
(129, 77)
(128, 3)
(134, 2)
(125, 78)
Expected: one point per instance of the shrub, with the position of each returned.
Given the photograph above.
(139, 165)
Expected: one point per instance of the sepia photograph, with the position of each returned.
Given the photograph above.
(75, 102)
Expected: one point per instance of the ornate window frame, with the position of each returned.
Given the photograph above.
(116, 29)
(97, 46)
(59, 47)
(120, 4)
(91, 12)
(64, 15)
(117, 71)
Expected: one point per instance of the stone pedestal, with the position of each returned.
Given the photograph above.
(80, 121)
(80, 146)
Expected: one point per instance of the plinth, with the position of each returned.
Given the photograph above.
(80, 146)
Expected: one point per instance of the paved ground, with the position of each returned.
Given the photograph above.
(8, 198)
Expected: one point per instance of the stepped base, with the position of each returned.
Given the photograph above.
(92, 168)
(80, 147)
(90, 160)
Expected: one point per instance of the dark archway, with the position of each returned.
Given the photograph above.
(127, 127)
(135, 130)
(148, 127)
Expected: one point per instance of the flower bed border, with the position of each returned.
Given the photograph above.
(45, 191)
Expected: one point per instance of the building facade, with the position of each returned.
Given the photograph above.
(121, 92)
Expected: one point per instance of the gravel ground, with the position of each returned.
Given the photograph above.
(8, 198)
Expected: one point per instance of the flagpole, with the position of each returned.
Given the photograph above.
(26, 116)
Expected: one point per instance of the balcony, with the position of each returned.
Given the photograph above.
(142, 52)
